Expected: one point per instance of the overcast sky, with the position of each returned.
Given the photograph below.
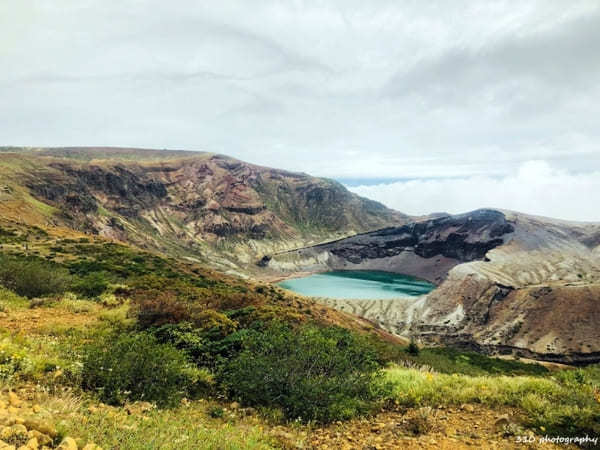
(425, 106)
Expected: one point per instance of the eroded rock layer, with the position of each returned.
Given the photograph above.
(209, 207)
(507, 282)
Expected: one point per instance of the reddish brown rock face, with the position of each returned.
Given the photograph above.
(197, 204)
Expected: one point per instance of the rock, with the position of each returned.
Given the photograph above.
(377, 427)
(41, 426)
(42, 439)
(6, 433)
(248, 411)
(234, 405)
(14, 400)
(33, 444)
(36, 408)
(286, 439)
(5, 446)
(92, 446)
(68, 443)
(19, 428)
(16, 433)
(501, 421)
(468, 408)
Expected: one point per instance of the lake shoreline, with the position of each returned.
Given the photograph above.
(355, 285)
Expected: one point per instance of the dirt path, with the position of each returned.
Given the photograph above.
(466, 427)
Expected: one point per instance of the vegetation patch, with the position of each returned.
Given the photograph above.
(136, 367)
(449, 360)
(311, 373)
(565, 404)
(32, 277)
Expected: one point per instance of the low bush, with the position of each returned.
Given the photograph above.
(588, 376)
(91, 285)
(413, 348)
(216, 412)
(185, 337)
(311, 373)
(156, 309)
(33, 277)
(136, 367)
(449, 360)
(9, 300)
(206, 348)
(213, 324)
(160, 309)
(13, 359)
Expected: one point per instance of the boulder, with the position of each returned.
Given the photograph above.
(68, 443)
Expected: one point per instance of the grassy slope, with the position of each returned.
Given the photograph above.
(47, 340)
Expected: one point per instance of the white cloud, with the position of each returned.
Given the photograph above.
(536, 188)
(341, 88)
(346, 89)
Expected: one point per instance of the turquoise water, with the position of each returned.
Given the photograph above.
(358, 284)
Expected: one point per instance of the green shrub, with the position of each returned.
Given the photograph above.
(413, 348)
(311, 373)
(183, 336)
(159, 309)
(137, 367)
(204, 347)
(450, 360)
(32, 277)
(216, 412)
(92, 285)
(213, 324)
(576, 378)
(9, 300)
(13, 359)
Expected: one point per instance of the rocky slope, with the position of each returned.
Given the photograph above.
(507, 282)
(427, 249)
(204, 206)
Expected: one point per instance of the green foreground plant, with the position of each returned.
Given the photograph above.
(567, 403)
(311, 373)
(136, 367)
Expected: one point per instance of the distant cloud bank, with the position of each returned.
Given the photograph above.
(536, 188)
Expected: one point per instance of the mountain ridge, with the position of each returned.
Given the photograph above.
(193, 204)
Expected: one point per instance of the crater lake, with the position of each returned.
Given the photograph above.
(358, 284)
